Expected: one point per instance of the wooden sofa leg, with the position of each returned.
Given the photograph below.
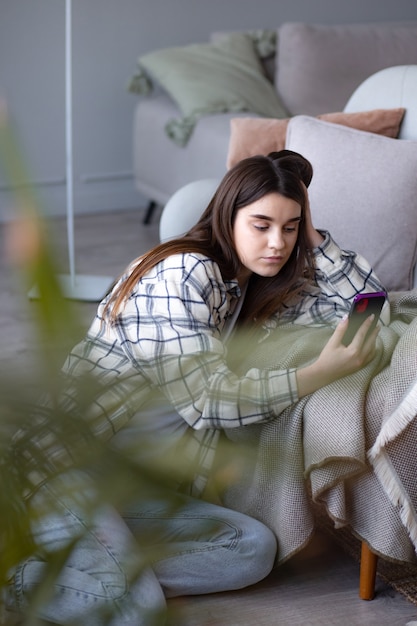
(369, 562)
(149, 212)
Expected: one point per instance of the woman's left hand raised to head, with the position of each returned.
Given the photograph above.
(313, 235)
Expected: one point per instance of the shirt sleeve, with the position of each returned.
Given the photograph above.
(170, 329)
(342, 274)
(339, 276)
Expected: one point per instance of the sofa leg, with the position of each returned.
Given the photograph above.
(149, 212)
(369, 562)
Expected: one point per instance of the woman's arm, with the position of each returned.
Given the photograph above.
(340, 276)
(314, 237)
(170, 332)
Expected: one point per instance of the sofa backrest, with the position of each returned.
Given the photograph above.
(318, 66)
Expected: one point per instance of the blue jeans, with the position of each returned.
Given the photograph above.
(197, 548)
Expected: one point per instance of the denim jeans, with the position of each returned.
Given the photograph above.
(196, 548)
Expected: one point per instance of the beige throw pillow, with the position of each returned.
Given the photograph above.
(253, 135)
(364, 191)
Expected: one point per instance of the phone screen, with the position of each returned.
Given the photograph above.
(364, 304)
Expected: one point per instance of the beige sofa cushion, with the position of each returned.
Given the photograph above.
(364, 191)
(309, 78)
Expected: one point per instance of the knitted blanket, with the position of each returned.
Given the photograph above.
(350, 446)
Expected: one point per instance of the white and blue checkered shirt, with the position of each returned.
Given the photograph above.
(168, 340)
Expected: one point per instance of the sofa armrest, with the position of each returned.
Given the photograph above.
(160, 167)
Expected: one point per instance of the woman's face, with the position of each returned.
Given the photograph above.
(265, 233)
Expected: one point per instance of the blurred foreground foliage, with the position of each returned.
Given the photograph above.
(118, 477)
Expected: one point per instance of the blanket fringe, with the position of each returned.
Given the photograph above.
(398, 496)
(394, 426)
(397, 422)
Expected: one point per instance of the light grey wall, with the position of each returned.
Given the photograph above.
(108, 36)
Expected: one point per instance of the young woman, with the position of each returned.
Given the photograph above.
(158, 350)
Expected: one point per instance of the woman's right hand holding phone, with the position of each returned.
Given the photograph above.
(337, 360)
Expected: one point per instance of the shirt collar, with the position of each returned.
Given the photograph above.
(232, 287)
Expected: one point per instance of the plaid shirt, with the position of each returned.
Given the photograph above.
(168, 338)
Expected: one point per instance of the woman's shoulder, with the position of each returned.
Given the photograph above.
(188, 266)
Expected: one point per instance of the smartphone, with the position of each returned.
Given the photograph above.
(363, 305)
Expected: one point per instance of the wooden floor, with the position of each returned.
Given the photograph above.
(317, 587)
(104, 245)
(319, 590)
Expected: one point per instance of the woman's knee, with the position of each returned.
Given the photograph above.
(257, 549)
(249, 547)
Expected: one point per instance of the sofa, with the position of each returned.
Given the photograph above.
(188, 96)
(364, 187)
(364, 190)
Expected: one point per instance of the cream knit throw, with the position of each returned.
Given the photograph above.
(351, 445)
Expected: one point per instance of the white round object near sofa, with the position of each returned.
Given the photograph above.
(390, 88)
(185, 207)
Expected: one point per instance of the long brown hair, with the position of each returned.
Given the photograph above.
(284, 172)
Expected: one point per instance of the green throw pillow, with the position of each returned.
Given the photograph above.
(207, 78)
